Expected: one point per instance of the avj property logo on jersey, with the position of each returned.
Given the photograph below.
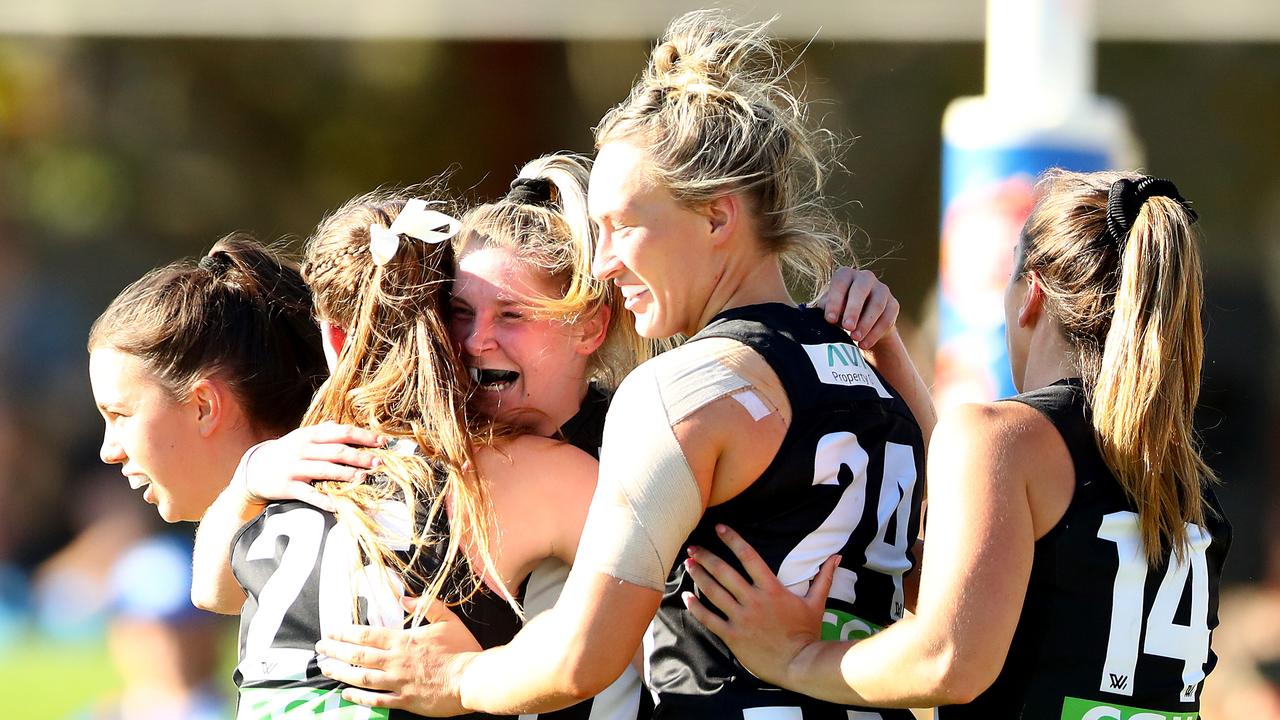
(843, 364)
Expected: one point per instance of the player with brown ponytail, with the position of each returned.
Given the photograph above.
(197, 361)
(1075, 543)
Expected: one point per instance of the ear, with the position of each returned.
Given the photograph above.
(593, 330)
(207, 398)
(722, 214)
(1032, 301)
(333, 338)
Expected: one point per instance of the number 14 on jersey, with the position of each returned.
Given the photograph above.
(1164, 637)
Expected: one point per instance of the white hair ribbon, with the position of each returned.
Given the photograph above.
(415, 221)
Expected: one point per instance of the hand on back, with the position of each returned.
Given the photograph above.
(765, 625)
(411, 669)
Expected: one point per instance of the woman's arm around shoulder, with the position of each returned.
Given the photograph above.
(891, 358)
(859, 302)
(975, 573)
(213, 586)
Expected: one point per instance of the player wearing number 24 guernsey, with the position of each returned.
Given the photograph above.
(1075, 545)
(847, 479)
(703, 189)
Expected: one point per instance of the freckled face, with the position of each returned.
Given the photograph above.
(153, 437)
(521, 361)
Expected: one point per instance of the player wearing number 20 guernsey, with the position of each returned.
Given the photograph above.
(380, 271)
(296, 563)
(847, 479)
(1100, 627)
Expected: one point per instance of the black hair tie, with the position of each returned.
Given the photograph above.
(216, 264)
(530, 191)
(1126, 198)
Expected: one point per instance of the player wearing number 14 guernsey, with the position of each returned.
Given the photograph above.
(1122, 596)
(1075, 544)
(1103, 635)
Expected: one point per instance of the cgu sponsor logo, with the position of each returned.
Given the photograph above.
(840, 625)
(843, 364)
(1077, 709)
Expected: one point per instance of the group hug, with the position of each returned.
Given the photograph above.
(579, 452)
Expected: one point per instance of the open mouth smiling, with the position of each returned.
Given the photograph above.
(493, 380)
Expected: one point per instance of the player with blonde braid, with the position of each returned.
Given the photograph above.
(425, 522)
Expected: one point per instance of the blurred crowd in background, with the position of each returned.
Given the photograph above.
(117, 155)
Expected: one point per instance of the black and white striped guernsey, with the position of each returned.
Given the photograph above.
(847, 479)
(295, 564)
(284, 558)
(1101, 634)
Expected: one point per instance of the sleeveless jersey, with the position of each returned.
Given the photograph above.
(1102, 635)
(846, 479)
(623, 700)
(296, 564)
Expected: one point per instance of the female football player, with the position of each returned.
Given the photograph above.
(1075, 546)
(196, 362)
(707, 182)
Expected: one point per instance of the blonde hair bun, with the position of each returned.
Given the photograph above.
(715, 114)
(705, 52)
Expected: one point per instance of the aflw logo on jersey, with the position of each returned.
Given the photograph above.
(843, 364)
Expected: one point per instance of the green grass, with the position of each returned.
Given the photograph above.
(51, 680)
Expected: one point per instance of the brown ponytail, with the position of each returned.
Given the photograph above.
(241, 313)
(1131, 308)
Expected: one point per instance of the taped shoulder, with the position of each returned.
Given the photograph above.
(647, 500)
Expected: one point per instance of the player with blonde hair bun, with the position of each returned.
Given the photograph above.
(706, 185)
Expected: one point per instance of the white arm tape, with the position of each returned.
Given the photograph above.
(647, 500)
(750, 401)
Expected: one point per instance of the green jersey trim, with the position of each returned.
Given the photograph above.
(293, 703)
(840, 625)
(1077, 709)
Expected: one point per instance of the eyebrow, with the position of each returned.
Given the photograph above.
(610, 212)
(510, 301)
(617, 209)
